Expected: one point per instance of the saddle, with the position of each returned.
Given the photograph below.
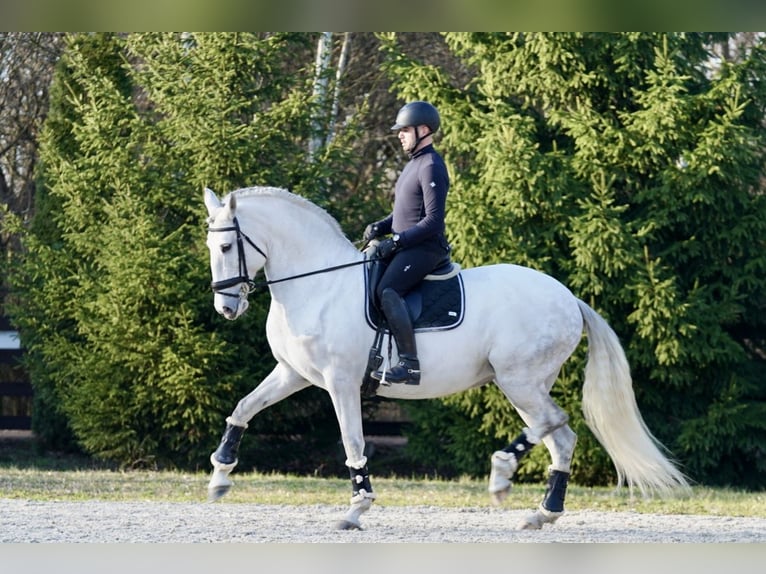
(436, 304)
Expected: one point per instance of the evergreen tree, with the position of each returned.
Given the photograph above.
(629, 168)
(626, 165)
(123, 345)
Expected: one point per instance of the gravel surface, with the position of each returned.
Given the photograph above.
(161, 522)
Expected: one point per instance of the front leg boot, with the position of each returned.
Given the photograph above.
(228, 449)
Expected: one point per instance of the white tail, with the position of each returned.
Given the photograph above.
(611, 412)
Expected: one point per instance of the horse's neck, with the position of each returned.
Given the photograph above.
(298, 239)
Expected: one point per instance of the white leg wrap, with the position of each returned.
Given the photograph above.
(356, 463)
(220, 467)
(232, 421)
(363, 495)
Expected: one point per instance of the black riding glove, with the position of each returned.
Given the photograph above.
(387, 248)
(371, 232)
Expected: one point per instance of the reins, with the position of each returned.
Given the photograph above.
(260, 284)
(219, 286)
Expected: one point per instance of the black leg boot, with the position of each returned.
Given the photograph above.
(556, 491)
(227, 451)
(407, 371)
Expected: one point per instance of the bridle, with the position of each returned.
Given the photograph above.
(219, 287)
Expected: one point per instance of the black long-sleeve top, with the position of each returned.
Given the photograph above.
(420, 199)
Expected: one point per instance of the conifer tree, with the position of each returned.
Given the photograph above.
(124, 348)
(630, 168)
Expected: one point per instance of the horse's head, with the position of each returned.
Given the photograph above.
(229, 264)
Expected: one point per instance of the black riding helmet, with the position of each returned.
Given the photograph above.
(416, 114)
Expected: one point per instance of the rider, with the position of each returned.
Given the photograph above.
(418, 244)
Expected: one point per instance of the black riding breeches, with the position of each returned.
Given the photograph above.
(408, 267)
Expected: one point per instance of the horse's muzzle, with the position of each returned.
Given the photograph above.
(230, 313)
(224, 300)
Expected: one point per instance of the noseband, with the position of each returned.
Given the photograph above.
(219, 286)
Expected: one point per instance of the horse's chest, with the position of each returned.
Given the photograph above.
(299, 340)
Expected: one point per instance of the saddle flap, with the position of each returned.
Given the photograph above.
(433, 305)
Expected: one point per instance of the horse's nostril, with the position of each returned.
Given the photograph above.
(227, 311)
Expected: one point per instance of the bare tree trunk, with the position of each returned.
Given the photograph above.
(344, 52)
(321, 82)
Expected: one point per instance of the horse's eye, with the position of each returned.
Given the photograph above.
(225, 247)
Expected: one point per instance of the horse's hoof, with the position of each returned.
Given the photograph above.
(524, 525)
(528, 524)
(532, 521)
(347, 525)
(218, 492)
(537, 519)
(499, 496)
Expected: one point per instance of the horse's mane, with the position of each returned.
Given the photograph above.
(290, 197)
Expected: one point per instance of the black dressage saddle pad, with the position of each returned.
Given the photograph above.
(435, 304)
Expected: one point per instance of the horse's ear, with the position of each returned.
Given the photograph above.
(231, 205)
(212, 202)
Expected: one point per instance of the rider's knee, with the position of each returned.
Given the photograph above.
(386, 293)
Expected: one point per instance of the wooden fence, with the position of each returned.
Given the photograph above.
(15, 388)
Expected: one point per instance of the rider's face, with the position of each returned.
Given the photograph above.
(407, 138)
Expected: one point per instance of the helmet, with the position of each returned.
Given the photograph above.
(415, 114)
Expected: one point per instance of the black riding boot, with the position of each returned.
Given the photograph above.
(398, 317)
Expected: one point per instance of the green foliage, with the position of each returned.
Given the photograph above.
(124, 350)
(626, 167)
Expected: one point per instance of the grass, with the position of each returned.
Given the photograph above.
(50, 478)
(257, 488)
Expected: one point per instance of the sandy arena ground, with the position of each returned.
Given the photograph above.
(161, 522)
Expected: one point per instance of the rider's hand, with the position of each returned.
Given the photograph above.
(371, 232)
(387, 248)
